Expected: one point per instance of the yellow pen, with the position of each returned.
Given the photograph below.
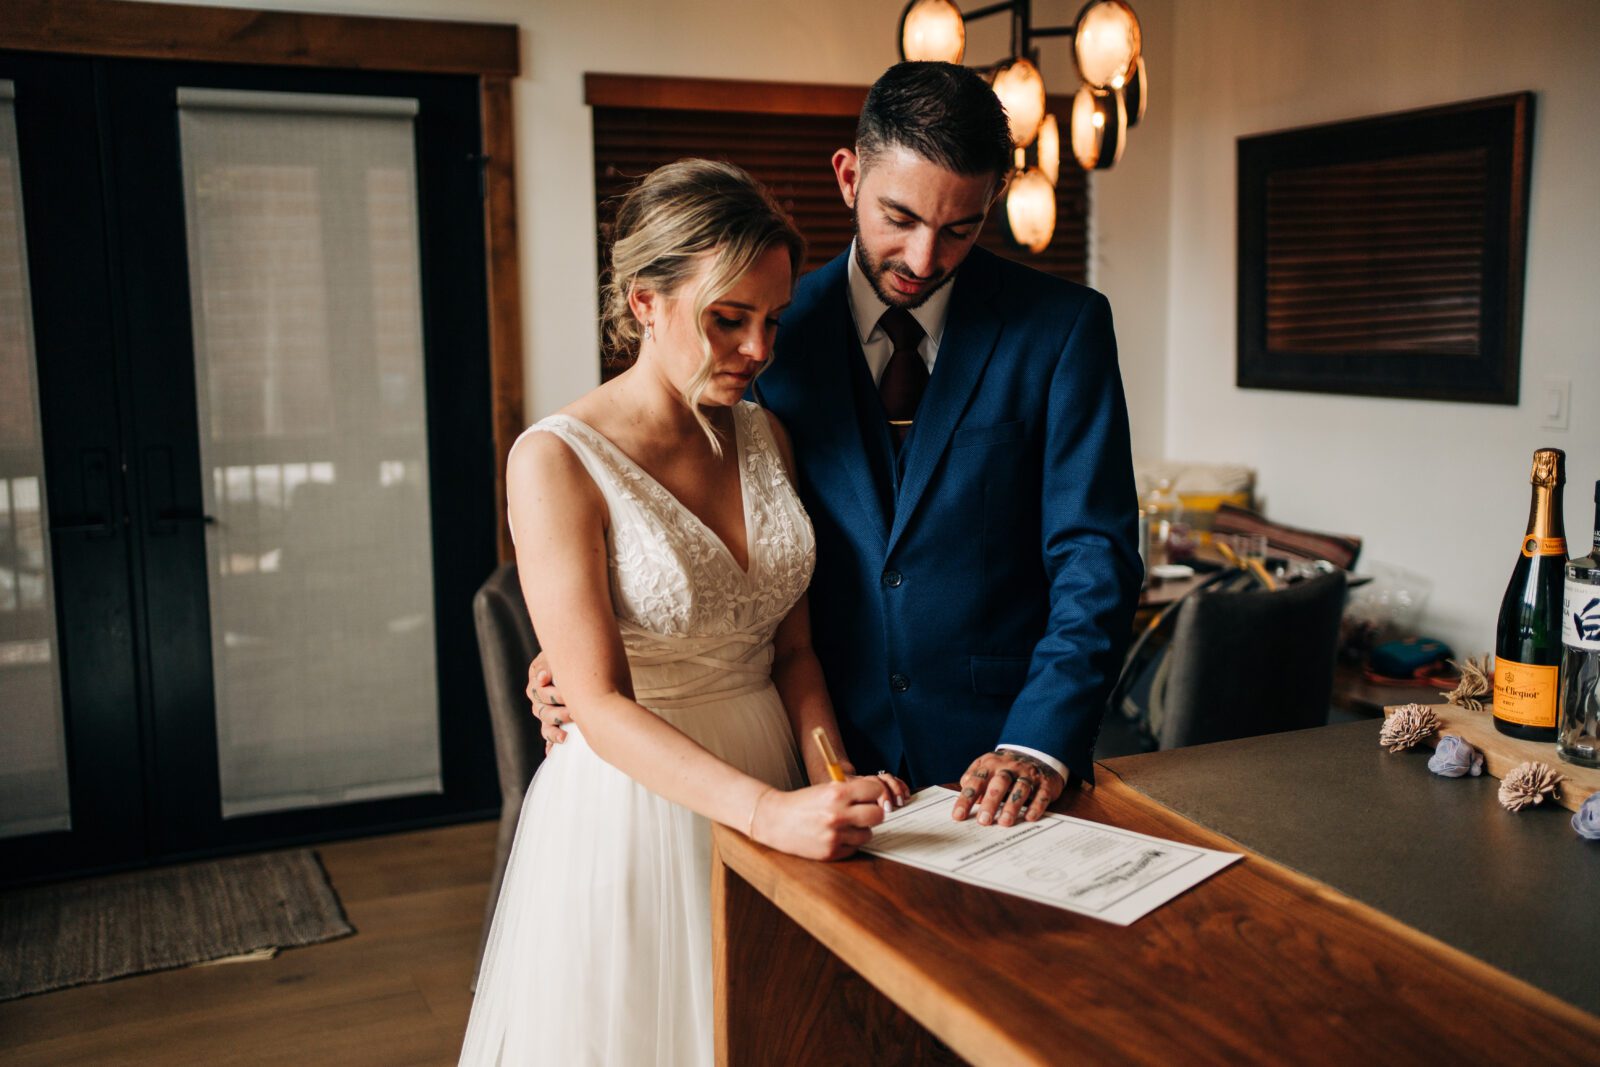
(835, 768)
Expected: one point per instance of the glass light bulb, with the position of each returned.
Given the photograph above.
(1031, 210)
(933, 30)
(1137, 93)
(1099, 127)
(1020, 87)
(1106, 43)
(1049, 146)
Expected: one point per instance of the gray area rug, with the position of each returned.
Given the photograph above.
(74, 933)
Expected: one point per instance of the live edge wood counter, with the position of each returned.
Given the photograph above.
(873, 962)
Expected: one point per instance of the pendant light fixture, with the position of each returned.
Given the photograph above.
(933, 30)
(1107, 45)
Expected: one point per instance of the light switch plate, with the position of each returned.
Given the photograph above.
(1555, 403)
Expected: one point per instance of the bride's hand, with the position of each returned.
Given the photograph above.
(896, 792)
(820, 822)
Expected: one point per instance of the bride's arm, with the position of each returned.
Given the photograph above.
(797, 673)
(798, 676)
(560, 518)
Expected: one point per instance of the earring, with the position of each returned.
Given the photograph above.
(648, 335)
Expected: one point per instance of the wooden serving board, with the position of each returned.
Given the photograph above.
(1502, 753)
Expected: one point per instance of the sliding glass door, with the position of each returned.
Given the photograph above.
(300, 480)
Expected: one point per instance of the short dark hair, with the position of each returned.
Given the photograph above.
(945, 113)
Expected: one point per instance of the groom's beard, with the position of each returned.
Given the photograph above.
(874, 273)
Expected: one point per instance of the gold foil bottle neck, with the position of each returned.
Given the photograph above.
(1549, 467)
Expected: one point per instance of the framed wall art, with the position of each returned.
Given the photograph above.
(1385, 256)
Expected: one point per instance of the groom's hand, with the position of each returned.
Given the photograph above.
(1004, 786)
(548, 707)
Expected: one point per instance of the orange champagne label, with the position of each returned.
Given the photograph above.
(1544, 546)
(1524, 693)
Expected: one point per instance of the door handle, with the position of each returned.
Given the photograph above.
(95, 520)
(160, 487)
(187, 516)
(92, 525)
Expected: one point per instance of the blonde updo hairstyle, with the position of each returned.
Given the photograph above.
(679, 213)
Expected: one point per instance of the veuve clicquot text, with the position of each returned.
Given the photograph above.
(1527, 644)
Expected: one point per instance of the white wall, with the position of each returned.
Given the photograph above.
(1438, 488)
(1132, 247)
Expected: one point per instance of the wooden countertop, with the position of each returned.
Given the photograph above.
(1258, 964)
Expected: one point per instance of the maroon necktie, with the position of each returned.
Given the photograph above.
(905, 376)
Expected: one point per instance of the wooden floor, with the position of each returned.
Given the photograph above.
(394, 994)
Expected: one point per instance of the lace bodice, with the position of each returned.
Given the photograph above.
(694, 624)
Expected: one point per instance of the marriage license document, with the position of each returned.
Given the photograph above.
(1086, 867)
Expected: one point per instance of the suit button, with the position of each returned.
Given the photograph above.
(899, 682)
(893, 578)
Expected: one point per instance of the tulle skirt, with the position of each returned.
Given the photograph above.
(600, 952)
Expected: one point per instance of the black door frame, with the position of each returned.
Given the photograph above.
(145, 253)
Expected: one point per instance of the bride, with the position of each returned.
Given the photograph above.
(664, 557)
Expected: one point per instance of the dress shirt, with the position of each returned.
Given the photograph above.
(866, 308)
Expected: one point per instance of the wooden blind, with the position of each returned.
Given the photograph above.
(1380, 256)
(789, 153)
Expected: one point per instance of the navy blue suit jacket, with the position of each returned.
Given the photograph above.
(979, 590)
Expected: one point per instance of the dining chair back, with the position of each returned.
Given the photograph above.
(1244, 662)
(506, 645)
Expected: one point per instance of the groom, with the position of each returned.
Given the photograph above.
(962, 444)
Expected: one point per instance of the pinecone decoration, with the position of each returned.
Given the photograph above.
(1408, 724)
(1474, 683)
(1529, 783)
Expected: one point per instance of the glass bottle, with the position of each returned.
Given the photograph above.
(1162, 508)
(1579, 738)
(1527, 647)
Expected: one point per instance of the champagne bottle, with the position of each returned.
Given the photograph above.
(1579, 740)
(1527, 645)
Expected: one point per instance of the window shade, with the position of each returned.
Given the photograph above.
(34, 788)
(306, 290)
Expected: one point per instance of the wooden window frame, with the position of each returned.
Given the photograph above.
(491, 52)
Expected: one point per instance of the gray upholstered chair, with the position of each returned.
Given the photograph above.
(1250, 663)
(506, 644)
(1241, 662)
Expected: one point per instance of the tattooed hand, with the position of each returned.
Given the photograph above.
(548, 707)
(1005, 786)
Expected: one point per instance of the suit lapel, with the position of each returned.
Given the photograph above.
(837, 352)
(970, 333)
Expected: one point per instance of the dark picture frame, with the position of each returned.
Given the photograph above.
(1385, 256)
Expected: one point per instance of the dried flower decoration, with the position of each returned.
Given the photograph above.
(1529, 783)
(1586, 820)
(1474, 683)
(1408, 724)
(1454, 757)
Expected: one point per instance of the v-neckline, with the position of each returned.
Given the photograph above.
(748, 568)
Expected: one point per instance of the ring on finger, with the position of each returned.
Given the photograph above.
(555, 720)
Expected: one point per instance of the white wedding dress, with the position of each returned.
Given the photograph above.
(600, 952)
